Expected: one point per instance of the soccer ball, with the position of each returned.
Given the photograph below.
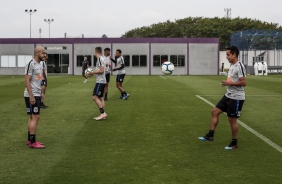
(167, 68)
(88, 70)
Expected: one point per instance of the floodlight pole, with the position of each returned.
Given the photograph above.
(30, 12)
(49, 21)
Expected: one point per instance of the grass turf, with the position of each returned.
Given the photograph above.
(150, 138)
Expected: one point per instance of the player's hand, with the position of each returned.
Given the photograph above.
(32, 100)
(45, 83)
(224, 83)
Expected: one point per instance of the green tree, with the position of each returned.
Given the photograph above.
(200, 27)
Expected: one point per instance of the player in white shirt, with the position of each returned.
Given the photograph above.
(107, 53)
(121, 74)
(98, 92)
(233, 100)
(33, 95)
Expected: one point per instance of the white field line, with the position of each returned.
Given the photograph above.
(262, 137)
(162, 77)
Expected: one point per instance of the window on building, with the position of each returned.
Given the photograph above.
(143, 60)
(177, 60)
(135, 60)
(139, 60)
(173, 59)
(8, 61)
(158, 60)
(181, 60)
(80, 59)
(23, 60)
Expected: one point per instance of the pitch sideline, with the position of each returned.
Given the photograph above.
(262, 137)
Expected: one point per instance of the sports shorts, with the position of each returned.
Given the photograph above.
(120, 77)
(232, 107)
(43, 83)
(35, 108)
(99, 90)
(108, 76)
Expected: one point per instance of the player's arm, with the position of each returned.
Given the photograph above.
(113, 60)
(45, 76)
(100, 71)
(241, 82)
(121, 67)
(28, 87)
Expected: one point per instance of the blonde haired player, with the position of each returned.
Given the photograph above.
(98, 92)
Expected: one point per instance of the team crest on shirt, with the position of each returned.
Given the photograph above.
(38, 77)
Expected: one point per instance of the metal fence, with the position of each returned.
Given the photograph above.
(257, 40)
(252, 43)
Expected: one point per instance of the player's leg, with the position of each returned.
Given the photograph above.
(32, 124)
(119, 86)
(233, 113)
(107, 87)
(216, 111)
(125, 95)
(98, 98)
(85, 77)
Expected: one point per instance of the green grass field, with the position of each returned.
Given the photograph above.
(150, 138)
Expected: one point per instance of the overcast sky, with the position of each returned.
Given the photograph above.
(94, 18)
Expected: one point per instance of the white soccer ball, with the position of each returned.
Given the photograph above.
(88, 70)
(167, 68)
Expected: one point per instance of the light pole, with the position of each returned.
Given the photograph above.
(30, 12)
(49, 21)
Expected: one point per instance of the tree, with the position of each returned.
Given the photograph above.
(200, 27)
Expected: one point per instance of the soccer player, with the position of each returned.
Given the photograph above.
(98, 92)
(85, 65)
(44, 81)
(121, 74)
(108, 71)
(232, 101)
(33, 94)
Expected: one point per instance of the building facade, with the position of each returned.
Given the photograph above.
(143, 56)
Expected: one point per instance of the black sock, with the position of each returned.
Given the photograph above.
(121, 93)
(32, 138)
(102, 110)
(106, 95)
(28, 136)
(124, 93)
(211, 133)
(234, 141)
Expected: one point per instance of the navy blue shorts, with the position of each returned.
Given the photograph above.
(99, 90)
(232, 107)
(43, 83)
(120, 77)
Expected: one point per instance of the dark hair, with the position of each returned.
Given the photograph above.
(107, 49)
(98, 49)
(118, 50)
(233, 50)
